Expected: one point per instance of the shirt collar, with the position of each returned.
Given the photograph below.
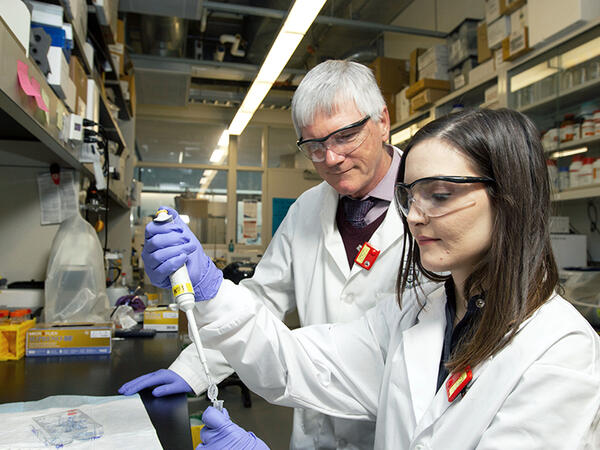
(385, 188)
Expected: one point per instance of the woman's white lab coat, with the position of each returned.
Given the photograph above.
(306, 267)
(542, 391)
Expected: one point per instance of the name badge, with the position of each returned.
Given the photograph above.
(457, 382)
(366, 256)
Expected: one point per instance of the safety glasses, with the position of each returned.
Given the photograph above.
(343, 141)
(437, 196)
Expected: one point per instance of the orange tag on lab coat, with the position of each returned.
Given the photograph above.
(457, 382)
(366, 256)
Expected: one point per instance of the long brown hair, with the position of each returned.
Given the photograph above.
(519, 273)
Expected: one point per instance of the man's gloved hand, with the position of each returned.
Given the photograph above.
(166, 381)
(168, 246)
(220, 432)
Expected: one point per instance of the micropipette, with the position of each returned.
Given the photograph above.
(183, 292)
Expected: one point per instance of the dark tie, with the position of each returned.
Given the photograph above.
(356, 210)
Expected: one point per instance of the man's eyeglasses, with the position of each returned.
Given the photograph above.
(437, 196)
(343, 141)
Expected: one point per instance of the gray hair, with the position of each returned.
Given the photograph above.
(332, 84)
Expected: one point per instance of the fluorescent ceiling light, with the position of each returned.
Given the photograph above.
(218, 155)
(180, 157)
(580, 54)
(563, 153)
(298, 21)
(209, 172)
(224, 139)
(203, 180)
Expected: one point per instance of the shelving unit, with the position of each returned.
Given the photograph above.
(577, 193)
(28, 132)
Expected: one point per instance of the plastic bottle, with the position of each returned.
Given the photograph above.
(574, 168)
(567, 128)
(597, 122)
(123, 279)
(586, 173)
(231, 247)
(596, 171)
(588, 126)
(552, 174)
(563, 178)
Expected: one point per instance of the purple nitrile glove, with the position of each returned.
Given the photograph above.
(168, 246)
(166, 381)
(219, 432)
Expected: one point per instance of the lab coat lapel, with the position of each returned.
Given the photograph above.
(422, 349)
(389, 233)
(331, 237)
(440, 403)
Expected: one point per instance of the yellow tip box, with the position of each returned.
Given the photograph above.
(71, 339)
(161, 318)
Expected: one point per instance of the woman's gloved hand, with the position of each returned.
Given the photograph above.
(220, 432)
(166, 381)
(168, 246)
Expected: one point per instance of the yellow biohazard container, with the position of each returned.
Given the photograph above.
(12, 339)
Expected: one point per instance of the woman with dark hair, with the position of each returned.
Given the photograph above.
(494, 358)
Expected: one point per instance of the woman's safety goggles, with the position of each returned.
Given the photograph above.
(437, 196)
(343, 141)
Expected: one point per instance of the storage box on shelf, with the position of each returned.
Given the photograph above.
(462, 42)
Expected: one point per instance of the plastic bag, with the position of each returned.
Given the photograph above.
(582, 289)
(75, 289)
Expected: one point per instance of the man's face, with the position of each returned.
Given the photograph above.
(358, 172)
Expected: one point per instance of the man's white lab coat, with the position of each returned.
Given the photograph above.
(305, 267)
(542, 391)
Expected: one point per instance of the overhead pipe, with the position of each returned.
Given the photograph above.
(235, 43)
(326, 20)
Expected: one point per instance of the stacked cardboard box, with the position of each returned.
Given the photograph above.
(392, 76)
(425, 92)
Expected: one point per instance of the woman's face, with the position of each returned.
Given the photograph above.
(457, 241)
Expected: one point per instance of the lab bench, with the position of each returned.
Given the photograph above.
(35, 378)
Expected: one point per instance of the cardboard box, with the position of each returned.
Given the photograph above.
(515, 45)
(438, 54)
(79, 77)
(497, 31)
(482, 71)
(161, 318)
(427, 98)
(492, 10)
(491, 94)
(483, 49)
(414, 59)
(391, 74)
(510, 6)
(68, 340)
(390, 101)
(59, 71)
(117, 52)
(549, 19)
(426, 83)
(402, 105)
(434, 71)
(518, 19)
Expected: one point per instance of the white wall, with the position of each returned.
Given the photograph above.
(435, 15)
(24, 243)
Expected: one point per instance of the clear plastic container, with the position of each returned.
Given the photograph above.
(20, 315)
(62, 428)
(563, 178)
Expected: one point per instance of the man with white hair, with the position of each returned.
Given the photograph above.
(335, 253)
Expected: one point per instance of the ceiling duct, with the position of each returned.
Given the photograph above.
(185, 9)
(163, 36)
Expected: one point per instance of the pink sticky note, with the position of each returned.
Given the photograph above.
(37, 93)
(23, 75)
